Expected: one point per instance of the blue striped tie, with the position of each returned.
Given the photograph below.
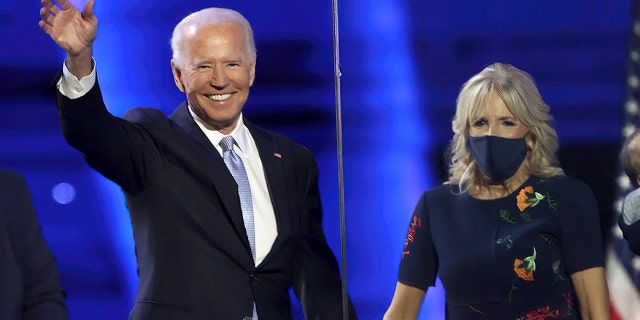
(235, 165)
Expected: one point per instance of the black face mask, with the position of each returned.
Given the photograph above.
(498, 158)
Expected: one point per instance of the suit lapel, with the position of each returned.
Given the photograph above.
(273, 165)
(220, 177)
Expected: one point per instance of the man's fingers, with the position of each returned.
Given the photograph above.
(50, 6)
(44, 26)
(46, 16)
(87, 12)
(44, 13)
(64, 4)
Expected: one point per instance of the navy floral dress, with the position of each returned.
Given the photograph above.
(508, 258)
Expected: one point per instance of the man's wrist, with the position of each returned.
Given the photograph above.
(80, 64)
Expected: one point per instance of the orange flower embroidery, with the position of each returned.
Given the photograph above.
(528, 198)
(523, 273)
(523, 198)
(525, 268)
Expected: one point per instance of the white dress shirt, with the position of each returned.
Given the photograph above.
(264, 218)
(264, 215)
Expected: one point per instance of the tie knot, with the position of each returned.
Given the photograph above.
(227, 143)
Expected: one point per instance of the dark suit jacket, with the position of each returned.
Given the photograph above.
(29, 280)
(194, 259)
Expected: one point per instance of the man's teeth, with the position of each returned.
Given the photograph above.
(219, 97)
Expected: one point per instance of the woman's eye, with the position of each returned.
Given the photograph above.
(480, 123)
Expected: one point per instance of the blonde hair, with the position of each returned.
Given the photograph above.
(518, 91)
(210, 16)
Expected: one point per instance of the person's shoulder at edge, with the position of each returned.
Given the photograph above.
(8, 179)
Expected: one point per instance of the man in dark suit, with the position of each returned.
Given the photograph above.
(29, 280)
(629, 220)
(226, 215)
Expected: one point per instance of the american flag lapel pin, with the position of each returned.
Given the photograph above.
(277, 155)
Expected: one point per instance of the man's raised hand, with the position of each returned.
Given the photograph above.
(72, 30)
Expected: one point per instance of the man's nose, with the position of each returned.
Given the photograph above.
(218, 77)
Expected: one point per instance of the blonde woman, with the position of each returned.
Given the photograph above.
(509, 235)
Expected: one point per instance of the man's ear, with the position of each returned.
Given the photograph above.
(252, 73)
(177, 72)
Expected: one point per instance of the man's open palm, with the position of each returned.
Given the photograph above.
(71, 29)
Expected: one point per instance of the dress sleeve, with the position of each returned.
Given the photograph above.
(581, 239)
(419, 263)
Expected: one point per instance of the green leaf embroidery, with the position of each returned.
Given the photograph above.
(535, 199)
(531, 261)
(551, 241)
(552, 203)
(525, 217)
(556, 270)
(506, 216)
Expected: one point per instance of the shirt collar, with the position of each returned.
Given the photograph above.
(239, 133)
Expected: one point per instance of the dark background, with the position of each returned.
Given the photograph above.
(403, 63)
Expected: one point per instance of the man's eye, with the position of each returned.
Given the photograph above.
(202, 68)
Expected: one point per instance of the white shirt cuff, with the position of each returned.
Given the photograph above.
(72, 87)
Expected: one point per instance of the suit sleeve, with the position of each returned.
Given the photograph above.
(120, 150)
(43, 294)
(317, 277)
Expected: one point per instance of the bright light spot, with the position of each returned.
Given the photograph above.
(632, 106)
(617, 232)
(633, 82)
(635, 263)
(63, 193)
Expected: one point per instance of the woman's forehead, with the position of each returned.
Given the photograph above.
(490, 104)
